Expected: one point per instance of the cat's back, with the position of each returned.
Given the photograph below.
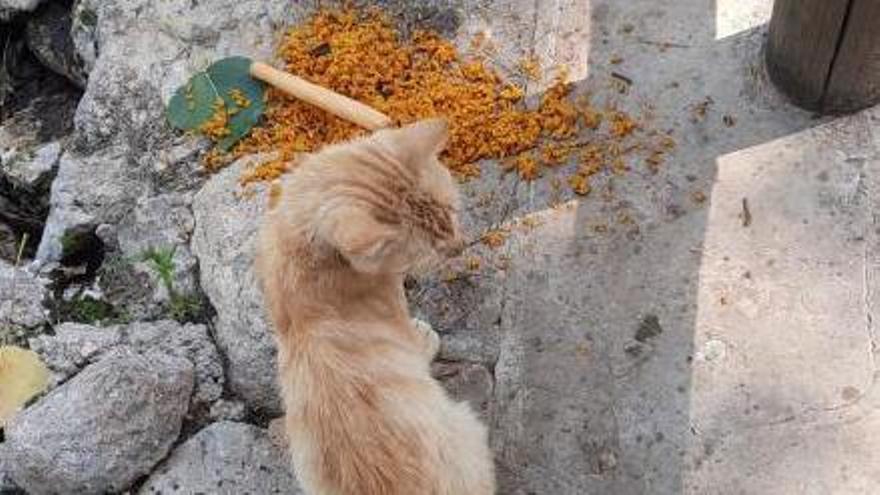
(366, 418)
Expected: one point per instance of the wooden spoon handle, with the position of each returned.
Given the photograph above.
(323, 98)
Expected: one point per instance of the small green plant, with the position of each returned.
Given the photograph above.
(161, 260)
(88, 17)
(186, 308)
(181, 307)
(70, 244)
(87, 309)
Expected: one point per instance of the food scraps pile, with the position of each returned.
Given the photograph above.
(360, 54)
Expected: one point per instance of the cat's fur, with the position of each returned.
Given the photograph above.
(363, 414)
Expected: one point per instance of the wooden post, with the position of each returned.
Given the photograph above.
(825, 54)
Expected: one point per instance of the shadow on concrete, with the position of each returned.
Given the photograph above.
(588, 318)
(594, 376)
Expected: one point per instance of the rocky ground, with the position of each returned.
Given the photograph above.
(705, 329)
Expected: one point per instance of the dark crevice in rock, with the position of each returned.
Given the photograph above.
(47, 33)
(259, 417)
(208, 311)
(36, 107)
(23, 213)
(138, 483)
(197, 308)
(35, 98)
(499, 328)
(82, 256)
(82, 248)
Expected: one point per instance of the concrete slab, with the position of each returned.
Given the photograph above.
(697, 348)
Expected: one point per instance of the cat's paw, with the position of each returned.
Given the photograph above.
(429, 337)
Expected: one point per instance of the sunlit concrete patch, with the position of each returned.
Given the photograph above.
(811, 459)
(562, 41)
(506, 33)
(783, 337)
(734, 16)
(500, 31)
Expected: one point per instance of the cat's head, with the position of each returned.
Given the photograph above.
(391, 206)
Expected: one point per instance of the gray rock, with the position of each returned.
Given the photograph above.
(225, 458)
(106, 427)
(137, 52)
(7, 486)
(130, 291)
(10, 242)
(467, 382)
(31, 171)
(38, 108)
(10, 8)
(29, 151)
(226, 224)
(38, 104)
(48, 37)
(21, 296)
(228, 410)
(162, 222)
(21, 304)
(74, 346)
(84, 34)
(89, 191)
(179, 167)
(465, 311)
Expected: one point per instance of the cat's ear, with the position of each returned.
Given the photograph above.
(421, 139)
(364, 241)
(432, 134)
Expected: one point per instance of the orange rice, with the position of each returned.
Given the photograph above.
(361, 55)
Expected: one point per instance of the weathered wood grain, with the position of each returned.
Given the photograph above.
(854, 80)
(802, 41)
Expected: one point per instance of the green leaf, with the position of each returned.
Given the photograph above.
(231, 74)
(230, 69)
(191, 106)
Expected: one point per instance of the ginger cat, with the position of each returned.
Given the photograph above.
(363, 414)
